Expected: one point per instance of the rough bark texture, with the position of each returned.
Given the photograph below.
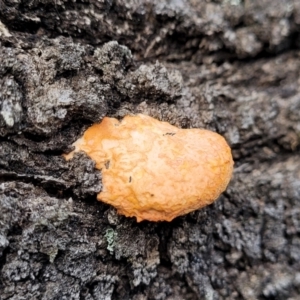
(227, 65)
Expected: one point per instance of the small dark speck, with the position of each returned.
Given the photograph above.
(170, 133)
(107, 163)
(287, 92)
(152, 195)
(130, 178)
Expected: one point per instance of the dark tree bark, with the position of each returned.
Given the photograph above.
(231, 66)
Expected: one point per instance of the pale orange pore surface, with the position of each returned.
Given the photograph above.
(154, 171)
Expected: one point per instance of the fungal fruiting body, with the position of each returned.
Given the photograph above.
(155, 171)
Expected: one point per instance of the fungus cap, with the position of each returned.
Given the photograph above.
(154, 171)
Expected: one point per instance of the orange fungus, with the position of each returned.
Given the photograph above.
(155, 171)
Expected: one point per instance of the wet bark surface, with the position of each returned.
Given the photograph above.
(231, 66)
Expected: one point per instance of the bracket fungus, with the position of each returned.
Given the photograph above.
(154, 171)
